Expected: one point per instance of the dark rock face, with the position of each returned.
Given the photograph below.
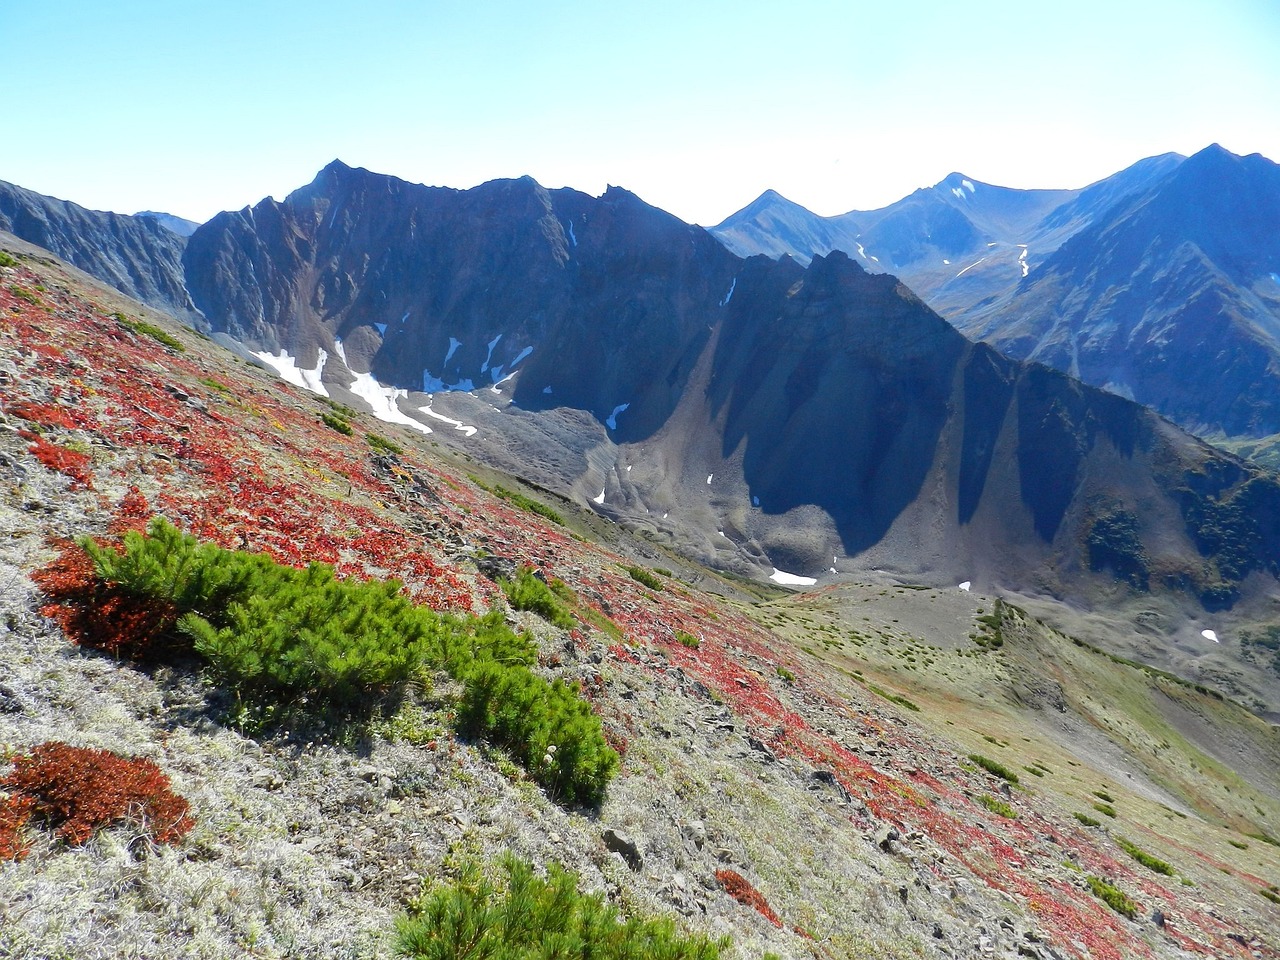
(597, 303)
(136, 255)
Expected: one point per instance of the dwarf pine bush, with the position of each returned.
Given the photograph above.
(526, 916)
(276, 635)
(528, 592)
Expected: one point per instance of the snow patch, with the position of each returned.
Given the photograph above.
(969, 267)
(628, 468)
(729, 296)
(500, 381)
(466, 429)
(406, 315)
(572, 238)
(958, 192)
(489, 356)
(755, 501)
(342, 354)
(861, 252)
(383, 401)
(968, 186)
(454, 344)
(1210, 635)
(1276, 277)
(287, 369)
(611, 421)
(382, 328)
(547, 388)
(1022, 259)
(966, 585)
(599, 499)
(433, 384)
(946, 263)
(521, 355)
(791, 579)
(709, 476)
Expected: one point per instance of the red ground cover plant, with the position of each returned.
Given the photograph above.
(740, 888)
(78, 790)
(100, 616)
(15, 811)
(69, 462)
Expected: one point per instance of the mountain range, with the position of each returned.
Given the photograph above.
(759, 414)
(1130, 284)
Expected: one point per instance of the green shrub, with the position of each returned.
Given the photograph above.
(893, 697)
(646, 577)
(1105, 809)
(1104, 796)
(1112, 896)
(1265, 838)
(998, 806)
(529, 592)
(341, 409)
(383, 445)
(1087, 820)
(995, 767)
(786, 675)
(526, 916)
(1144, 858)
(520, 500)
(337, 423)
(549, 729)
(687, 639)
(1238, 845)
(150, 330)
(6, 260)
(24, 294)
(280, 636)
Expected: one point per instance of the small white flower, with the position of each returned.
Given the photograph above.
(551, 748)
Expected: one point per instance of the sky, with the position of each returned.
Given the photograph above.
(697, 106)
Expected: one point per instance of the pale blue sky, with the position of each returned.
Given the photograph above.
(194, 107)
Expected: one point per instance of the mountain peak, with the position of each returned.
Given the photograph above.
(959, 185)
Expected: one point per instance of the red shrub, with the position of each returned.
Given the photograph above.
(101, 616)
(78, 791)
(15, 811)
(738, 887)
(69, 462)
(45, 414)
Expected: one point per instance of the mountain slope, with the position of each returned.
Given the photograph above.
(1142, 299)
(863, 829)
(137, 255)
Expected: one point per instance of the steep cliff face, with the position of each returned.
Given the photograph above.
(137, 255)
(1129, 284)
(595, 303)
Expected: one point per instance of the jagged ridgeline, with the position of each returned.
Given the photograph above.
(277, 635)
